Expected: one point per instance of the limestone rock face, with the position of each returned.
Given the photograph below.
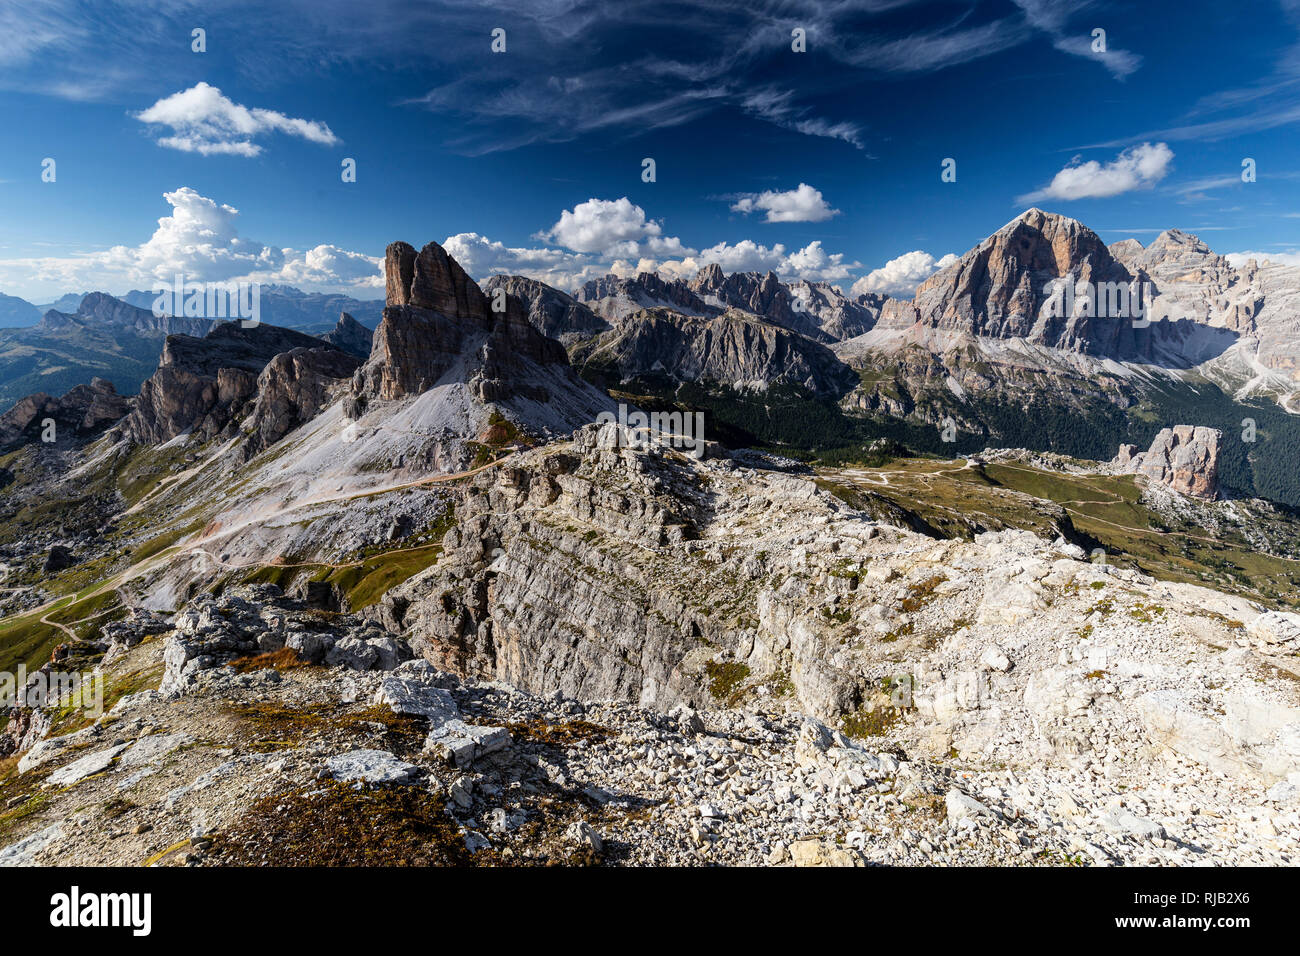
(438, 328)
(293, 387)
(350, 336)
(1190, 281)
(82, 410)
(550, 311)
(431, 280)
(734, 349)
(413, 350)
(815, 309)
(1002, 288)
(615, 298)
(204, 384)
(1185, 457)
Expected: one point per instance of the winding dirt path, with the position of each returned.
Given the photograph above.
(135, 570)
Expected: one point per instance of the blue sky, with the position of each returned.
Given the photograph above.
(823, 164)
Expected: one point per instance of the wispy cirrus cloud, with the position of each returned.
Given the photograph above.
(781, 108)
(1052, 17)
(1267, 104)
(572, 66)
(733, 56)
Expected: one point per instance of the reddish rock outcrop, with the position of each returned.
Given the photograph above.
(1185, 457)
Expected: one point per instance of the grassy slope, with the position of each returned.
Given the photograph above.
(82, 598)
(1106, 508)
(787, 420)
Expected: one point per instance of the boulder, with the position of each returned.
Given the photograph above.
(371, 766)
(84, 767)
(818, 853)
(463, 743)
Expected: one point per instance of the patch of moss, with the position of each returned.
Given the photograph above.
(839, 617)
(285, 658)
(1105, 607)
(337, 824)
(782, 685)
(903, 630)
(870, 723)
(73, 716)
(725, 679)
(1145, 613)
(117, 807)
(922, 593)
(274, 726)
(564, 734)
(20, 795)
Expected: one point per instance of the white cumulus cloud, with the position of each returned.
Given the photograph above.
(899, 277)
(1287, 257)
(613, 228)
(1137, 167)
(204, 120)
(482, 257)
(803, 204)
(811, 263)
(200, 239)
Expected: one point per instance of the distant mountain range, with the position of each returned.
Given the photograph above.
(290, 308)
(16, 312)
(100, 336)
(1041, 337)
(312, 312)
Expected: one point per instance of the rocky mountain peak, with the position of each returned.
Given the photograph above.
(292, 388)
(431, 280)
(555, 314)
(999, 289)
(710, 276)
(1176, 238)
(101, 310)
(1127, 252)
(439, 329)
(205, 384)
(1175, 254)
(350, 336)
